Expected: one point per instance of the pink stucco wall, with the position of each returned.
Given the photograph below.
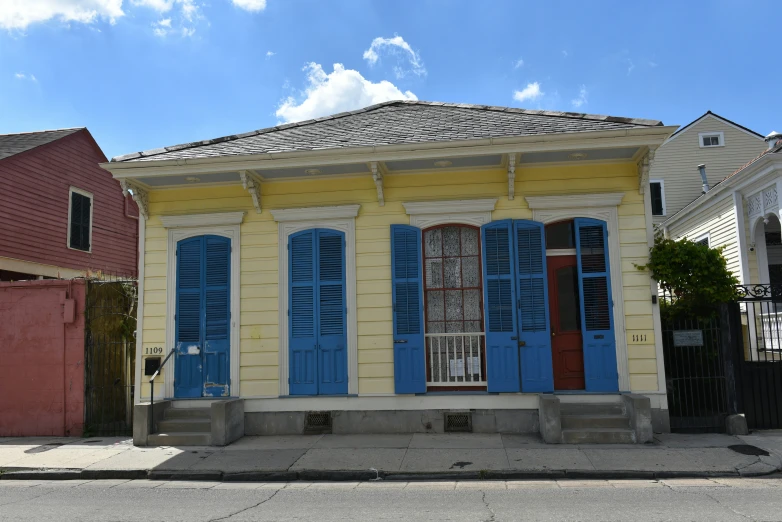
(42, 358)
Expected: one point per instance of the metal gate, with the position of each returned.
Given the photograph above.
(109, 356)
(696, 382)
(758, 355)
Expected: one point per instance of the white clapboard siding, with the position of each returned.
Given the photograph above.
(676, 161)
(719, 222)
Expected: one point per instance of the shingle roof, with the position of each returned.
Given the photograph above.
(391, 123)
(11, 144)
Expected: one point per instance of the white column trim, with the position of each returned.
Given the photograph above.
(202, 220)
(346, 223)
(557, 208)
(654, 291)
(741, 237)
(142, 239)
(233, 232)
(474, 212)
(315, 213)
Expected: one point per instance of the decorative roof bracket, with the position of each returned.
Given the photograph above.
(140, 196)
(252, 183)
(377, 175)
(511, 176)
(644, 167)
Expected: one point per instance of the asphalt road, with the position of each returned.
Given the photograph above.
(729, 499)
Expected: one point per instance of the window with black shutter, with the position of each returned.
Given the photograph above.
(656, 191)
(81, 207)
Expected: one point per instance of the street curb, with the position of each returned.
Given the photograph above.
(362, 475)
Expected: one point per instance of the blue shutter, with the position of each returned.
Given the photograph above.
(502, 347)
(302, 320)
(407, 295)
(331, 313)
(217, 320)
(594, 279)
(537, 374)
(189, 327)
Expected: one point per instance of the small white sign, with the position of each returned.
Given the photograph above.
(456, 366)
(688, 338)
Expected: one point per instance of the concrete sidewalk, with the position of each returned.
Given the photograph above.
(392, 457)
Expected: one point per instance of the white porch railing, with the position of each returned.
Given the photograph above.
(771, 323)
(456, 359)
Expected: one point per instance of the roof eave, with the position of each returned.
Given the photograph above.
(641, 136)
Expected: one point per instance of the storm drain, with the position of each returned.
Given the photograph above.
(317, 422)
(458, 422)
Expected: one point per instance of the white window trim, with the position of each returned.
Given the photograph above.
(550, 209)
(342, 219)
(427, 214)
(176, 233)
(92, 213)
(702, 135)
(662, 195)
(706, 236)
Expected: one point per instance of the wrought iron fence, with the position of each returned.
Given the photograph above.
(694, 358)
(109, 355)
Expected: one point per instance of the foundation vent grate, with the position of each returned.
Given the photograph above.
(458, 422)
(317, 422)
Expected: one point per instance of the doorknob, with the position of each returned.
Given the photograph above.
(553, 334)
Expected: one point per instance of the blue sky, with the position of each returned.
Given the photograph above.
(142, 74)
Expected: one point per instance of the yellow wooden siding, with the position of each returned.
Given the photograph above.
(677, 162)
(259, 256)
(719, 222)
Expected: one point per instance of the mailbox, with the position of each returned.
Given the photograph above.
(151, 365)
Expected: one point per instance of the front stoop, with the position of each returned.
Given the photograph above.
(627, 421)
(219, 424)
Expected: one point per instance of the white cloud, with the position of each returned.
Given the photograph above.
(396, 46)
(23, 76)
(269, 54)
(564, 54)
(161, 6)
(630, 66)
(518, 63)
(187, 31)
(581, 99)
(162, 27)
(652, 64)
(530, 92)
(254, 6)
(182, 14)
(339, 91)
(19, 14)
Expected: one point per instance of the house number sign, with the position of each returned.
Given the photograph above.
(688, 338)
(155, 350)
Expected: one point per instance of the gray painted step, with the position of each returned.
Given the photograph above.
(188, 413)
(186, 424)
(598, 436)
(180, 439)
(574, 408)
(573, 422)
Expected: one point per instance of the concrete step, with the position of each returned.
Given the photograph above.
(577, 408)
(180, 439)
(188, 413)
(594, 421)
(186, 425)
(598, 436)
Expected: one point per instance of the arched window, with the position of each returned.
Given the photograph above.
(453, 297)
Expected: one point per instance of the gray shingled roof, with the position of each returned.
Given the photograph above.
(392, 123)
(11, 144)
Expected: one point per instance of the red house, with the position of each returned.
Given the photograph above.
(62, 216)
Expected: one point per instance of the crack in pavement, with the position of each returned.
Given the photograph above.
(486, 504)
(250, 507)
(728, 508)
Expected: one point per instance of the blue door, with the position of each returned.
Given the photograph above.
(408, 311)
(203, 317)
(502, 344)
(533, 309)
(597, 319)
(318, 313)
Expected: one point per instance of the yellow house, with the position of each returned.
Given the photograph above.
(410, 266)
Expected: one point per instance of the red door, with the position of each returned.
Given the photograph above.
(566, 342)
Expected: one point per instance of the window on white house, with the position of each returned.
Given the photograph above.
(704, 240)
(714, 139)
(657, 193)
(80, 220)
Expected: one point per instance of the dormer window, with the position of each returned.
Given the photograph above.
(711, 139)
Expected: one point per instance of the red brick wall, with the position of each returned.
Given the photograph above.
(41, 359)
(34, 199)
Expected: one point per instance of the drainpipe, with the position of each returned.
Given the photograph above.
(702, 170)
